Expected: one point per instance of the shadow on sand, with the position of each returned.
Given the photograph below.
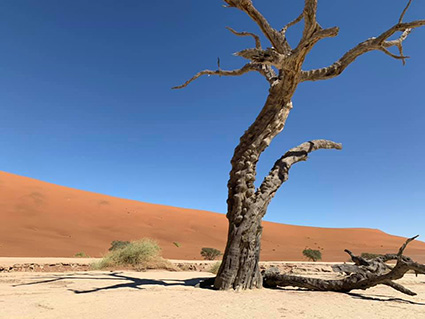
(123, 281)
(382, 298)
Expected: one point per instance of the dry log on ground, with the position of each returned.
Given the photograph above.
(364, 274)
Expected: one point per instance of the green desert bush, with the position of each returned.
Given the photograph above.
(177, 244)
(369, 255)
(140, 255)
(81, 254)
(210, 253)
(118, 244)
(215, 267)
(312, 254)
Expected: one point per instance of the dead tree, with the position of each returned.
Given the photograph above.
(281, 65)
(363, 274)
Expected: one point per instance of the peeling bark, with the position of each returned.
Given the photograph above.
(247, 205)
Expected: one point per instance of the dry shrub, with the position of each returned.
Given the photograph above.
(138, 255)
(118, 244)
(312, 254)
(210, 253)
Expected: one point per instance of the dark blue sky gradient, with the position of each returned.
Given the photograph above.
(85, 102)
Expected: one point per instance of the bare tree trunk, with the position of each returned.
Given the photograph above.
(247, 205)
(240, 268)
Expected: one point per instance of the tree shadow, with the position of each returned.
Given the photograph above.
(127, 281)
(383, 298)
(291, 289)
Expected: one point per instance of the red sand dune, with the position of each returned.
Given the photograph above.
(39, 219)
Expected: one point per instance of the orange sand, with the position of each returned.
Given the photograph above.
(39, 219)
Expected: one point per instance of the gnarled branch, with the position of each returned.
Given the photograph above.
(247, 34)
(404, 11)
(280, 171)
(288, 48)
(249, 67)
(399, 287)
(309, 14)
(269, 56)
(274, 36)
(310, 41)
(379, 43)
(292, 23)
(312, 33)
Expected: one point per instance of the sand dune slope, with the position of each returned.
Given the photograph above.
(38, 219)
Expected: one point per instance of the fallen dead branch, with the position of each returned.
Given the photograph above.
(364, 274)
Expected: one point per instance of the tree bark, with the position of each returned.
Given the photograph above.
(240, 267)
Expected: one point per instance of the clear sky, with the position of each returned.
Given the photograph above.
(85, 102)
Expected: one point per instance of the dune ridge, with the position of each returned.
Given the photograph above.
(40, 219)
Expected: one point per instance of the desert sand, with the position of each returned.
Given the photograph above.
(159, 294)
(40, 219)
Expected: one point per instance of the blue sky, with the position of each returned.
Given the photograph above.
(85, 102)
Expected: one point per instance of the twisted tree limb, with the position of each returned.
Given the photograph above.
(309, 15)
(249, 67)
(400, 20)
(363, 274)
(274, 36)
(280, 171)
(247, 34)
(292, 23)
(380, 43)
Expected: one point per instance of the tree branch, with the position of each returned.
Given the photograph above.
(249, 67)
(274, 36)
(269, 56)
(399, 287)
(404, 11)
(403, 247)
(379, 43)
(309, 14)
(317, 36)
(286, 27)
(312, 33)
(358, 260)
(246, 34)
(399, 57)
(292, 23)
(280, 171)
(418, 268)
